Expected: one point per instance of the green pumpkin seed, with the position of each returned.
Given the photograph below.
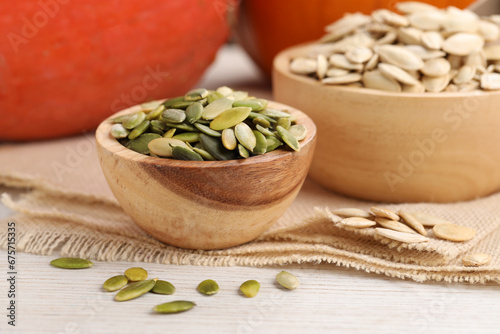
(190, 137)
(237, 95)
(261, 121)
(214, 146)
(253, 115)
(136, 274)
(284, 122)
(224, 90)
(243, 151)
(204, 154)
(134, 120)
(170, 133)
(196, 94)
(115, 283)
(260, 144)
(274, 113)
(272, 143)
(159, 124)
(213, 96)
(288, 138)
(182, 153)
(170, 102)
(208, 287)
(135, 290)
(173, 115)
(193, 112)
(154, 114)
(216, 108)
(151, 105)
(230, 118)
(163, 288)
(206, 130)
(176, 306)
(250, 288)
(181, 126)
(287, 280)
(163, 146)
(71, 263)
(203, 121)
(299, 131)
(245, 136)
(229, 139)
(140, 144)
(139, 130)
(255, 104)
(118, 131)
(265, 131)
(154, 129)
(122, 118)
(183, 104)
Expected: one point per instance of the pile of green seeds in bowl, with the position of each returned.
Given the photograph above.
(208, 125)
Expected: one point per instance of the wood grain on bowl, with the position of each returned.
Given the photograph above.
(397, 147)
(205, 204)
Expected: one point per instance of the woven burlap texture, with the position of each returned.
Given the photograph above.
(70, 209)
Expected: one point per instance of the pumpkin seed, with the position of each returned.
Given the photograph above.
(173, 115)
(224, 90)
(348, 78)
(230, 118)
(139, 130)
(454, 232)
(212, 96)
(429, 220)
(476, 260)
(115, 283)
(409, 7)
(243, 151)
(181, 126)
(359, 55)
(229, 139)
(206, 130)
(135, 290)
(399, 56)
(163, 288)
(393, 225)
(136, 274)
(490, 81)
(299, 131)
(183, 153)
(261, 121)
(336, 72)
(341, 61)
(287, 280)
(261, 143)
(188, 137)
(400, 236)
(159, 124)
(134, 120)
(272, 143)
(163, 146)
(435, 84)
(215, 147)
(384, 213)
(176, 306)
(462, 44)
(357, 222)
(184, 104)
(155, 113)
(284, 122)
(322, 66)
(288, 138)
(250, 288)
(245, 136)
(170, 102)
(237, 95)
(118, 131)
(273, 113)
(432, 40)
(255, 104)
(170, 133)
(376, 80)
(351, 212)
(436, 67)
(303, 66)
(194, 112)
(412, 221)
(196, 94)
(71, 263)
(204, 154)
(265, 131)
(208, 287)
(254, 115)
(140, 144)
(394, 72)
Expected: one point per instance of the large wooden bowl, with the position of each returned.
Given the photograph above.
(397, 147)
(205, 204)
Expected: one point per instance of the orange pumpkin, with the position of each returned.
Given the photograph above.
(66, 65)
(265, 27)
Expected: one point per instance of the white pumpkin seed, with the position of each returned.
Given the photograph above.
(435, 84)
(432, 40)
(437, 67)
(359, 55)
(340, 61)
(349, 78)
(412, 221)
(476, 259)
(465, 74)
(400, 236)
(394, 225)
(454, 232)
(357, 222)
(352, 212)
(399, 56)
(376, 80)
(396, 73)
(303, 66)
(490, 81)
(463, 44)
(384, 213)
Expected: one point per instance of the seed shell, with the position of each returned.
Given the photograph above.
(476, 260)
(384, 213)
(287, 280)
(250, 288)
(400, 236)
(394, 225)
(208, 287)
(351, 212)
(135, 290)
(453, 232)
(357, 222)
(71, 263)
(412, 221)
(115, 283)
(176, 306)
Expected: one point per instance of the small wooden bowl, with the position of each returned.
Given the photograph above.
(397, 147)
(205, 204)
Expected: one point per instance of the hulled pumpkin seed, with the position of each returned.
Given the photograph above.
(216, 108)
(288, 138)
(118, 131)
(176, 306)
(115, 283)
(287, 280)
(163, 146)
(260, 143)
(159, 124)
(245, 136)
(170, 133)
(230, 118)
(170, 102)
(196, 94)
(173, 115)
(140, 144)
(229, 139)
(139, 130)
(208, 287)
(193, 112)
(255, 104)
(214, 95)
(250, 288)
(284, 122)
(135, 290)
(206, 130)
(214, 146)
(181, 126)
(134, 120)
(136, 274)
(155, 113)
(224, 90)
(71, 263)
(299, 131)
(188, 137)
(272, 143)
(163, 288)
(273, 113)
(204, 154)
(184, 104)
(243, 151)
(183, 153)
(261, 121)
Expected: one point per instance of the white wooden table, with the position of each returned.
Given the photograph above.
(330, 299)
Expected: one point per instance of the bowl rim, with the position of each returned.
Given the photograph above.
(109, 143)
(283, 58)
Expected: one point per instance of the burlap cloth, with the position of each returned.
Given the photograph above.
(70, 209)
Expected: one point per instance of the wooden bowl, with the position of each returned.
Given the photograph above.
(397, 147)
(205, 204)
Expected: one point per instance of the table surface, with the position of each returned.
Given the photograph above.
(329, 299)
